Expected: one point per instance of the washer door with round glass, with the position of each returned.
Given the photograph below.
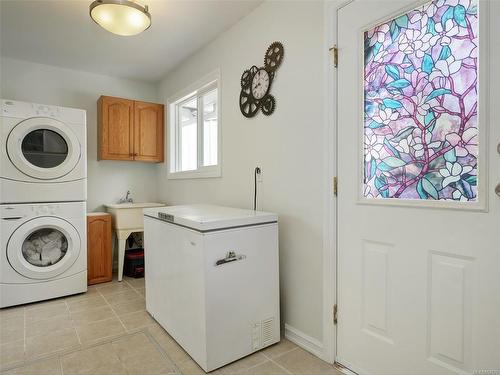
(43, 148)
(43, 248)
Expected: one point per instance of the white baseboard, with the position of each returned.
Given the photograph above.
(306, 342)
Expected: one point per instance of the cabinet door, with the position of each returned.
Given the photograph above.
(116, 128)
(148, 136)
(99, 253)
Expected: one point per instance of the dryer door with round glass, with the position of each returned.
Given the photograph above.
(43, 148)
(43, 247)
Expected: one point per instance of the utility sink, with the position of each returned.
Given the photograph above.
(127, 216)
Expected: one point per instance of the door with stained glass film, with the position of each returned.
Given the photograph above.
(418, 218)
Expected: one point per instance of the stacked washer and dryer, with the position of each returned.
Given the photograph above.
(43, 192)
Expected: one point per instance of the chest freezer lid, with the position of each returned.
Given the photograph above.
(205, 217)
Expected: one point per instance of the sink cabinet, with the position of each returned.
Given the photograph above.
(130, 130)
(99, 254)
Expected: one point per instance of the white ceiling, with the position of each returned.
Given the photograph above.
(61, 33)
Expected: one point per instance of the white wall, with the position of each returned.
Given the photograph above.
(107, 180)
(288, 145)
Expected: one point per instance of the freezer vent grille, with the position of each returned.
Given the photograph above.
(267, 331)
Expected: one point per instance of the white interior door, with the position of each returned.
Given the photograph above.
(418, 217)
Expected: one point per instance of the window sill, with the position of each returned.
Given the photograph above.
(209, 172)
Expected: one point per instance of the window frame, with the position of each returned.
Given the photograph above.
(198, 90)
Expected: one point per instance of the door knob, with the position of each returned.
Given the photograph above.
(497, 189)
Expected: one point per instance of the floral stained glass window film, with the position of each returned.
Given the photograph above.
(421, 104)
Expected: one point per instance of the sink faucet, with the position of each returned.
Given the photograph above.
(127, 199)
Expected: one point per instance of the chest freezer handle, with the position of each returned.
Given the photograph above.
(229, 258)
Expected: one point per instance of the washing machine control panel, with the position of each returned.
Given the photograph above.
(45, 209)
(29, 210)
(23, 110)
(13, 108)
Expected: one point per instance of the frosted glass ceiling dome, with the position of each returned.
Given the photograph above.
(121, 17)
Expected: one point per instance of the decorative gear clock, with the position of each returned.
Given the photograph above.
(256, 83)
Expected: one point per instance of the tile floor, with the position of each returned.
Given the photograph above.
(108, 331)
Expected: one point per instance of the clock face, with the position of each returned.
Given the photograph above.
(260, 84)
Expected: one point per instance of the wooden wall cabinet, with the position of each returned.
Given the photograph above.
(130, 130)
(99, 250)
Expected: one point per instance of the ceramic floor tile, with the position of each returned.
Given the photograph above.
(52, 342)
(111, 288)
(50, 366)
(135, 345)
(168, 344)
(92, 315)
(267, 368)
(149, 367)
(90, 302)
(300, 362)
(190, 367)
(130, 307)
(10, 312)
(278, 349)
(40, 312)
(122, 297)
(141, 291)
(91, 359)
(114, 369)
(46, 326)
(243, 364)
(11, 354)
(96, 331)
(44, 304)
(137, 320)
(135, 283)
(11, 328)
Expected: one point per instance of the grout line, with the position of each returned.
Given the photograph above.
(73, 323)
(283, 368)
(272, 359)
(114, 312)
(176, 368)
(133, 288)
(281, 354)
(60, 353)
(60, 364)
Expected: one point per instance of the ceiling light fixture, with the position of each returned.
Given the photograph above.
(121, 17)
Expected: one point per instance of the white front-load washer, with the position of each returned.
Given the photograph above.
(43, 251)
(43, 153)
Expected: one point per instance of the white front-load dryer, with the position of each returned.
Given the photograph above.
(43, 153)
(43, 251)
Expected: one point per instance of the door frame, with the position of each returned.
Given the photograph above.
(330, 164)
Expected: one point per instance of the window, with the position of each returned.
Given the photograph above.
(421, 99)
(194, 129)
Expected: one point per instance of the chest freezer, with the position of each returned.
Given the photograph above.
(212, 279)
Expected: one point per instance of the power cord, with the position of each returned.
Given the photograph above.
(256, 172)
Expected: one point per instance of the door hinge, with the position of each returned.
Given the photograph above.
(335, 188)
(335, 55)
(335, 312)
